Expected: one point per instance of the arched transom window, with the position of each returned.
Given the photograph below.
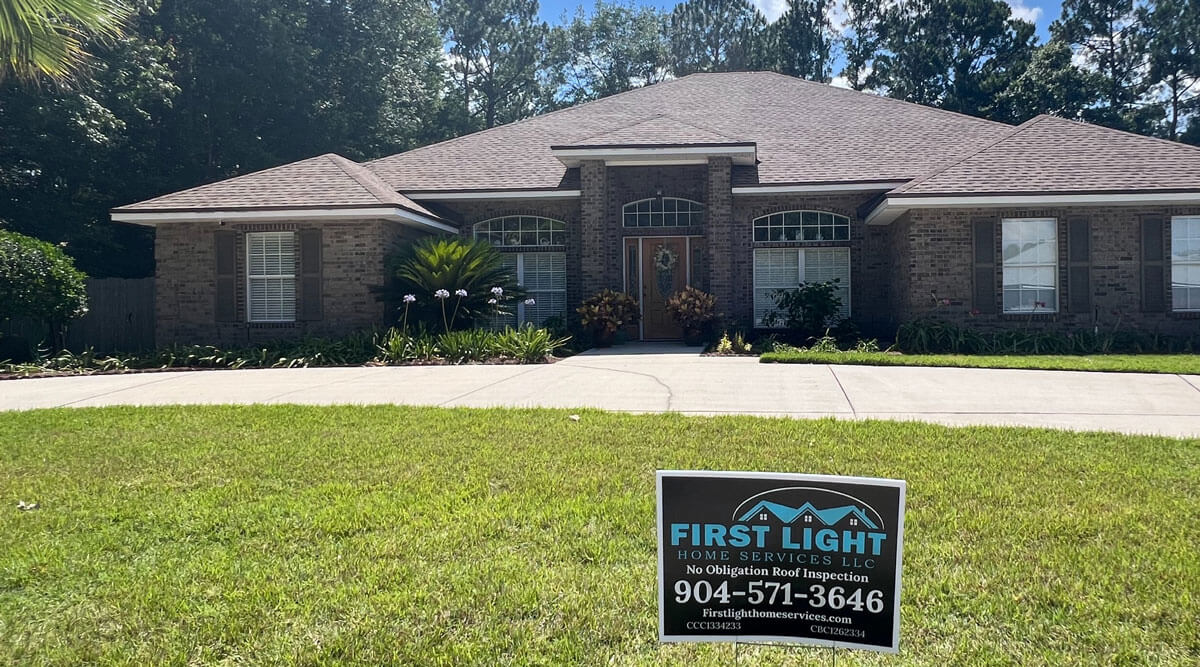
(517, 231)
(802, 226)
(663, 212)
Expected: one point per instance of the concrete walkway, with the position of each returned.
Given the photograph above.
(658, 378)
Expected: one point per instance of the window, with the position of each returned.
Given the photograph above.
(544, 277)
(663, 212)
(543, 274)
(1030, 253)
(271, 276)
(802, 226)
(786, 268)
(1185, 263)
(522, 231)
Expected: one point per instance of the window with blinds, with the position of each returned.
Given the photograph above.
(1029, 248)
(1185, 263)
(271, 276)
(787, 268)
(544, 277)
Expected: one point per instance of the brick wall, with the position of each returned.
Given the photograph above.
(353, 263)
(932, 254)
(869, 264)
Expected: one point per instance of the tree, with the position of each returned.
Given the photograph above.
(615, 49)
(1110, 39)
(803, 39)
(954, 54)
(1172, 38)
(716, 36)
(860, 40)
(39, 282)
(1051, 84)
(46, 37)
(68, 154)
(497, 50)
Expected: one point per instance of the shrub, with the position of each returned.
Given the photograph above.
(39, 281)
(735, 345)
(807, 310)
(935, 336)
(606, 311)
(452, 280)
(692, 308)
(468, 345)
(528, 344)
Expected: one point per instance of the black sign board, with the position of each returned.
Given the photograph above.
(778, 557)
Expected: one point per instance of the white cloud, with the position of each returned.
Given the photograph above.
(772, 9)
(1021, 11)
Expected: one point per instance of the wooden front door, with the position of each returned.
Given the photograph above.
(656, 268)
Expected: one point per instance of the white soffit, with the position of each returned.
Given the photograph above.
(894, 207)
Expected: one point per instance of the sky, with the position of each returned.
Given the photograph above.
(1041, 12)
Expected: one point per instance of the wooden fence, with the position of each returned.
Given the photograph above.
(120, 318)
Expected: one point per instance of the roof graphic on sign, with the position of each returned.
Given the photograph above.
(828, 516)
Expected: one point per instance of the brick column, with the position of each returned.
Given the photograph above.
(718, 229)
(594, 241)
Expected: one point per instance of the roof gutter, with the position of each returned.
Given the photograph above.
(801, 188)
(393, 213)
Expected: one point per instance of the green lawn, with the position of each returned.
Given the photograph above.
(425, 536)
(1120, 363)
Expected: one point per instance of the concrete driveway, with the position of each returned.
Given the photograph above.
(660, 378)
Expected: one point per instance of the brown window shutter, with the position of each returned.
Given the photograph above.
(310, 275)
(986, 293)
(1079, 265)
(225, 248)
(1154, 289)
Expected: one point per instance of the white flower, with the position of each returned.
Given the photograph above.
(529, 302)
(492, 301)
(409, 298)
(498, 291)
(442, 294)
(460, 292)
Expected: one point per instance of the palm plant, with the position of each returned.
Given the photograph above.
(450, 266)
(45, 37)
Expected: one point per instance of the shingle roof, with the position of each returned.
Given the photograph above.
(1049, 155)
(325, 181)
(805, 132)
(659, 130)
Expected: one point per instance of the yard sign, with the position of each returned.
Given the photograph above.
(778, 557)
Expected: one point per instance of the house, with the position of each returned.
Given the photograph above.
(738, 183)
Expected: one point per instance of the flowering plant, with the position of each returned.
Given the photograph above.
(692, 308)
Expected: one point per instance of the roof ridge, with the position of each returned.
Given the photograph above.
(367, 179)
(1177, 144)
(226, 179)
(529, 119)
(885, 98)
(334, 158)
(968, 155)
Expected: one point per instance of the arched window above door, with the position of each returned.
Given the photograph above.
(663, 212)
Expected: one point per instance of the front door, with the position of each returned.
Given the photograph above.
(656, 268)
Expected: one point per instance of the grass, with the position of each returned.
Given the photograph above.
(425, 536)
(1186, 364)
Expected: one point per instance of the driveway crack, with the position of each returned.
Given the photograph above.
(492, 384)
(1188, 382)
(175, 376)
(846, 396)
(657, 380)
